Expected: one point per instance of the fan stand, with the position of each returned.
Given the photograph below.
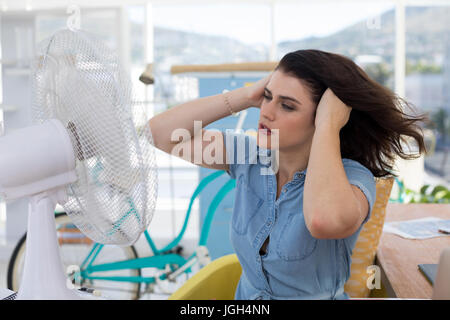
(43, 276)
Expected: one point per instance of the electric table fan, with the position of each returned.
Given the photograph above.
(84, 151)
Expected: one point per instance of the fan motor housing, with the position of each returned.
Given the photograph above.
(36, 159)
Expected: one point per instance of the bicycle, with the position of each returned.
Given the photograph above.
(97, 266)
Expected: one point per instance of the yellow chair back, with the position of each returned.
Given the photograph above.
(365, 248)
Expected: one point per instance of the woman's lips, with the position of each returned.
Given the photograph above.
(264, 129)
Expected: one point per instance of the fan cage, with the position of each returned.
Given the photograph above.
(78, 80)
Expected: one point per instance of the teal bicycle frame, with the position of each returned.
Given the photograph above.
(162, 257)
(401, 192)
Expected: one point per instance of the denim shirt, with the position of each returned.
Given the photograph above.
(296, 265)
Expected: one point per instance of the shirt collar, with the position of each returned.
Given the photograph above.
(298, 175)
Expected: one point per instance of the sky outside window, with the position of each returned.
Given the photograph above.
(250, 23)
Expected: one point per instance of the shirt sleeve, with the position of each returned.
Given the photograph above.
(361, 177)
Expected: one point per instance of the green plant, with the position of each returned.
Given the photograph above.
(427, 194)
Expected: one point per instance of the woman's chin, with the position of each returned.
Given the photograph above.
(269, 139)
(263, 141)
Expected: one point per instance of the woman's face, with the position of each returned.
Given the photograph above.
(288, 107)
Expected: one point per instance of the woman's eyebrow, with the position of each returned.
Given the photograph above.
(283, 97)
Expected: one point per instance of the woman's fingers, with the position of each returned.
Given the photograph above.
(257, 90)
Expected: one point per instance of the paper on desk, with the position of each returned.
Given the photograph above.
(423, 228)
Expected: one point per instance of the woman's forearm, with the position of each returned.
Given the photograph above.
(206, 109)
(329, 204)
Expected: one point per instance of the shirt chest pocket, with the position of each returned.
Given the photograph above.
(247, 204)
(295, 242)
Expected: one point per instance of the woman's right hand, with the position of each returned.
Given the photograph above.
(256, 91)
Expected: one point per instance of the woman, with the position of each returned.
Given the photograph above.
(336, 129)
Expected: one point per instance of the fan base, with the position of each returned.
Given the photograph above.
(43, 275)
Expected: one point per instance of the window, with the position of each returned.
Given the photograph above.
(361, 31)
(206, 34)
(427, 82)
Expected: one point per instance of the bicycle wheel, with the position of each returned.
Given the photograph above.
(74, 248)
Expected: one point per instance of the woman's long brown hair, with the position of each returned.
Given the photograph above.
(379, 128)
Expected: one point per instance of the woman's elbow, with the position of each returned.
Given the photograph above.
(156, 139)
(318, 228)
(323, 227)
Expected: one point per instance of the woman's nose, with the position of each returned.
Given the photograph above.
(268, 110)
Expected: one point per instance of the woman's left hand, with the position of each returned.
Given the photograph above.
(332, 111)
